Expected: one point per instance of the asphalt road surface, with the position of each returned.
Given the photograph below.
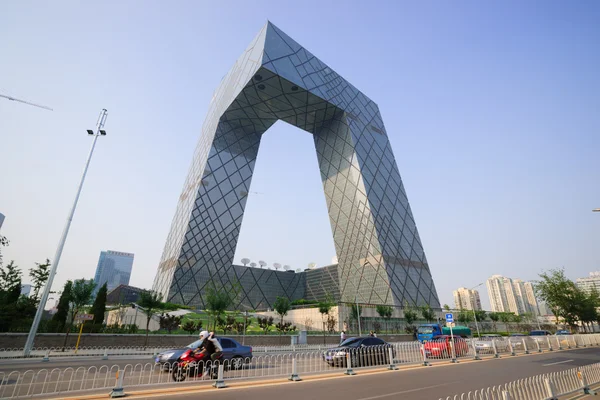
(427, 383)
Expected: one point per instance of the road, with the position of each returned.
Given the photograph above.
(426, 383)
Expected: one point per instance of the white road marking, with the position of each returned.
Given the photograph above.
(556, 363)
(405, 391)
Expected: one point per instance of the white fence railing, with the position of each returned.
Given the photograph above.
(540, 387)
(138, 350)
(59, 381)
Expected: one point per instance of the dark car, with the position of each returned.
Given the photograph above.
(539, 333)
(237, 354)
(363, 351)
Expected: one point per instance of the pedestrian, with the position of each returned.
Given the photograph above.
(342, 337)
(371, 334)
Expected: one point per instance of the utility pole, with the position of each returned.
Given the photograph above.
(40, 310)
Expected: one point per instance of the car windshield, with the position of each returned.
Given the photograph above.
(195, 344)
(537, 333)
(425, 329)
(352, 342)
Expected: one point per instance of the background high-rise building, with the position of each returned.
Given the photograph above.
(1, 219)
(114, 269)
(508, 295)
(26, 290)
(592, 281)
(466, 299)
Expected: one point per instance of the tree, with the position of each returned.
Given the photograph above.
(324, 308)
(427, 313)
(559, 294)
(410, 316)
(39, 276)
(189, 327)
(481, 315)
(446, 307)
(281, 306)
(226, 324)
(81, 294)
(3, 243)
(355, 312)
(464, 317)
(265, 323)
(218, 299)
(62, 310)
(150, 302)
(99, 306)
(169, 322)
(506, 318)
(10, 284)
(495, 318)
(384, 312)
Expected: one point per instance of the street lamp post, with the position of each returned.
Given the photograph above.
(596, 210)
(61, 244)
(473, 306)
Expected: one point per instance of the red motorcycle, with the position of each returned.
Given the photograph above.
(191, 363)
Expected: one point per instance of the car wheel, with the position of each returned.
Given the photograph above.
(237, 362)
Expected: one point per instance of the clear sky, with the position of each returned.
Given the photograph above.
(492, 109)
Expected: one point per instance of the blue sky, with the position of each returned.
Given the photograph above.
(491, 108)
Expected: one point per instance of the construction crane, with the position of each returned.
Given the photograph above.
(26, 102)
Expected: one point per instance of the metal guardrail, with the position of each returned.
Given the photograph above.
(61, 381)
(136, 350)
(540, 387)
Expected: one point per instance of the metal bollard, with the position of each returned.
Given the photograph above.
(475, 350)
(392, 366)
(550, 392)
(549, 344)
(575, 342)
(46, 356)
(294, 377)
(155, 352)
(453, 352)
(220, 383)
(584, 384)
(349, 365)
(512, 349)
(118, 390)
(105, 356)
(537, 343)
(525, 346)
(559, 343)
(425, 362)
(496, 354)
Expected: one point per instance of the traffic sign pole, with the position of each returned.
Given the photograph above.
(79, 337)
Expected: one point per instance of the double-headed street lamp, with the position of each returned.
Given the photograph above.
(596, 210)
(40, 310)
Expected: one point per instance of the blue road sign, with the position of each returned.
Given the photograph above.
(449, 317)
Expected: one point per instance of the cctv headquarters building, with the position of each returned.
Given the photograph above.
(380, 255)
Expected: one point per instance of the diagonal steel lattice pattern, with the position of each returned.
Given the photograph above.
(380, 255)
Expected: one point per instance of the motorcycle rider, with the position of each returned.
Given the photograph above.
(211, 346)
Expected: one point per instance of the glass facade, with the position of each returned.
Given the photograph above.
(380, 255)
(114, 269)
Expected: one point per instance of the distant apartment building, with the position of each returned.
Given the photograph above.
(466, 299)
(26, 290)
(1, 220)
(114, 269)
(508, 295)
(592, 281)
